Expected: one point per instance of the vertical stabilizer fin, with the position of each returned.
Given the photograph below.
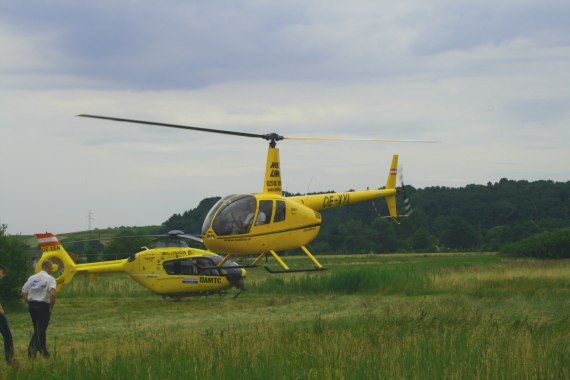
(391, 184)
(272, 180)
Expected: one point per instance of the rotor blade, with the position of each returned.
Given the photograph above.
(178, 126)
(348, 139)
(158, 236)
(267, 136)
(197, 238)
(104, 238)
(192, 237)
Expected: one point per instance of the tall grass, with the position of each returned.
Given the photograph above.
(372, 274)
(392, 342)
(346, 280)
(109, 285)
(448, 317)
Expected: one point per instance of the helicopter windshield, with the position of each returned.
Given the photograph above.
(235, 215)
(212, 212)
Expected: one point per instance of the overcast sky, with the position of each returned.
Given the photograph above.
(490, 80)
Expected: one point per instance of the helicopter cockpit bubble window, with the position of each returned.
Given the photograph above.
(235, 216)
(206, 267)
(264, 214)
(212, 212)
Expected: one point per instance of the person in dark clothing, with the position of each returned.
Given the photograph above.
(5, 329)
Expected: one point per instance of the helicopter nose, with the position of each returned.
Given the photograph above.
(237, 281)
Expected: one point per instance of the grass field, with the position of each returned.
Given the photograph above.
(462, 316)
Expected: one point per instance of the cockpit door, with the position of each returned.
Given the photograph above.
(264, 213)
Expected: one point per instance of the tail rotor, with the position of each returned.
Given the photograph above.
(402, 192)
(63, 269)
(58, 268)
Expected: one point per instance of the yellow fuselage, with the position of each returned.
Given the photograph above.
(166, 271)
(149, 271)
(300, 225)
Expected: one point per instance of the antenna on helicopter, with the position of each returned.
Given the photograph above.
(309, 185)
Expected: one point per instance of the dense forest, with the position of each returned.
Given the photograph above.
(471, 218)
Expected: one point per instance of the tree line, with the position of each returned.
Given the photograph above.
(476, 218)
(443, 219)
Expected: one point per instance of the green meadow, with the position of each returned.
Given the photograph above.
(434, 316)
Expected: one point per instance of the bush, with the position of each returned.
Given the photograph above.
(14, 257)
(545, 245)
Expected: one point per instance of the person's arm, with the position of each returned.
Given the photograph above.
(25, 289)
(1, 310)
(51, 299)
(25, 297)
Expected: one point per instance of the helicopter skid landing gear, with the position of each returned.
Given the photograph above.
(286, 269)
(272, 271)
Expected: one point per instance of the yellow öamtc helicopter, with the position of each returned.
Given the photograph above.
(265, 223)
(172, 269)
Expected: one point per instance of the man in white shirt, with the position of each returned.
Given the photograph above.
(39, 294)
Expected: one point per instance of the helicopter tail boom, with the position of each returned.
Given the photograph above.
(319, 202)
(65, 268)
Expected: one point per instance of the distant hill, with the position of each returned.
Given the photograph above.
(470, 218)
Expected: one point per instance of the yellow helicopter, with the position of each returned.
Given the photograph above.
(265, 223)
(171, 269)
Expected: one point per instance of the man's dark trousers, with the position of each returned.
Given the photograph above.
(39, 311)
(8, 341)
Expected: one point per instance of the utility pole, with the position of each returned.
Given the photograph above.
(90, 218)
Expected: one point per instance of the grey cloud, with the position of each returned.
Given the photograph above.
(160, 45)
(163, 45)
(460, 26)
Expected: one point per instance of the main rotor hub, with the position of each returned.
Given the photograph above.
(273, 138)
